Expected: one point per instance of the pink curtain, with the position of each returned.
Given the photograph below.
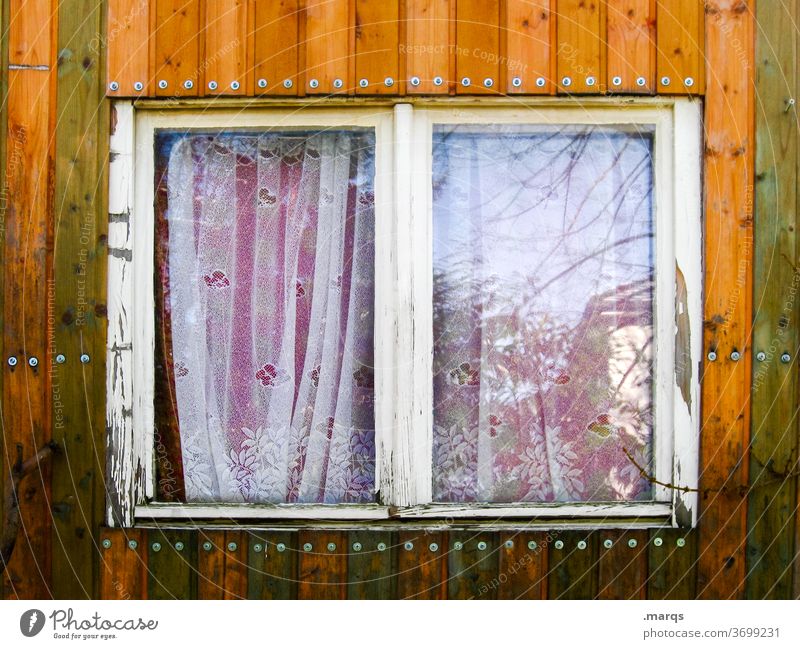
(543, 312)
(269, 285)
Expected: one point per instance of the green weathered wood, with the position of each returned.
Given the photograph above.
(172, 565)
(78, 317)
(772, 498)
(370, 570)
(573, 572)
(672, 572)
(3, 202)
(272, 570)
(473, 570)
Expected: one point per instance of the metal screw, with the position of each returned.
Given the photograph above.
(433, 547)
(232, 547)
(313, 83)
(735, 355)
(85, 358)
(113, 86)
(532, 545)
(338, 83)
(133, 544)
(761, 356)
(381, 546)
(540, 82)
(414, 81)
(632, 543)
(516, 82)
(179, 546)
(188, 84)
(658, 541)
(712, 356)
(258, 547)
(617, 81)
(235, 85)
(680, 542)
(458, 545)
(281, 547)
(566, 82)
(509, 544)
(106, 543)
(212, 85)
(408, 545)
(465, 81)
(331, 547)
(162, 84)
(608, 543)
(138, 86)
(61, 359)
(481, 545)
(590, 81)
(288, 83)
(581, 545)
(438, 81)
(641, 82)
(363, 83)
(688, 82)
(307, 547)
(12, 361)
(207, 546)
(665, 81)
(262, 83)
(785, 358)
(559, 545)
(487, 82)
(33, 361)
(156, 547)
(356, 547)
(789, 103)
(388, 82)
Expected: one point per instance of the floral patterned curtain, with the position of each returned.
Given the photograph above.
(543, 314)
(266, 244)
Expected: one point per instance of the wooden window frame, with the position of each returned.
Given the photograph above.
(403, 279)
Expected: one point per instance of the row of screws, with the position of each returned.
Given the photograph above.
(760, 356)
(33, 361)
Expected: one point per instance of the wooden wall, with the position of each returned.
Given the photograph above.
(58, 66)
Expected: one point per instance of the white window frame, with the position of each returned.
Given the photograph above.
(404, 307)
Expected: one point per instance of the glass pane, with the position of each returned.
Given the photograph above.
(543, 313)
(265, 264)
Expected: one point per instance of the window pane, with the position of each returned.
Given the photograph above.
(265, 263)
(543, 313)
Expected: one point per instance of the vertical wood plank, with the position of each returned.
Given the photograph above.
(327, 46)
(580, 33)
(427, 46)
(473, 569)
(221, 565)
(27, 267)
(371, 566)
(478, 47)
(772, 496)
(377, 47)
(272, 565)
(123, 564)
(523, 565)
(276, 47)
(322, 571)
(680, 44)
(672, 564)
(78, 323)
(171, 564)
(623, 565)
(177, 48)
(528, 44)
(421, 573)
(728, 243)
(631, 46)
(30, 32)
(573, 569)
(225, 51)
(127, 41)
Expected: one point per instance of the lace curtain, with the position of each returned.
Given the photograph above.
(543, 313)
(266, 244)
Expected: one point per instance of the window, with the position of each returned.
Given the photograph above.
(410, 311)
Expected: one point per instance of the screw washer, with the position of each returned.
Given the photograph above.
(388, 82)
(735, 355)
(61, 359)
(680, 542)
(188, 84)
(688, 82)
(179, 546)
(363, 83)
(488, 83)
(786, 357)
(313, 83)
(438, 81)
(617, 81)
(632, 543)
(331, 547)
(658, 541)
(482, 545)
(414, 81)
(665, 81)
(338, 83)
(433, 547)
(258, 547)
(641, 82)
(458, 545)
(566, 82)
(207, 546)
(12, 361)
(541, 82)
(307, 547)
(133, 544)
(232, 547)
(465, 81)
(85, 358)
(381, 546)
(33, 361)
(235, 85)
(357, 547)
(532, 545)
(509, 544)
(212, 85)
(138, 86)
(712, 356)
(559, 545)
(106, 543)
(516, 82)
(281, 547)
(156, 547)
(408, 545)
(287, 83)
(590, 81)
(162, 84)
(761, 356)
(113, 86)
(262, 83)
(608, 543)
(581, 545)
